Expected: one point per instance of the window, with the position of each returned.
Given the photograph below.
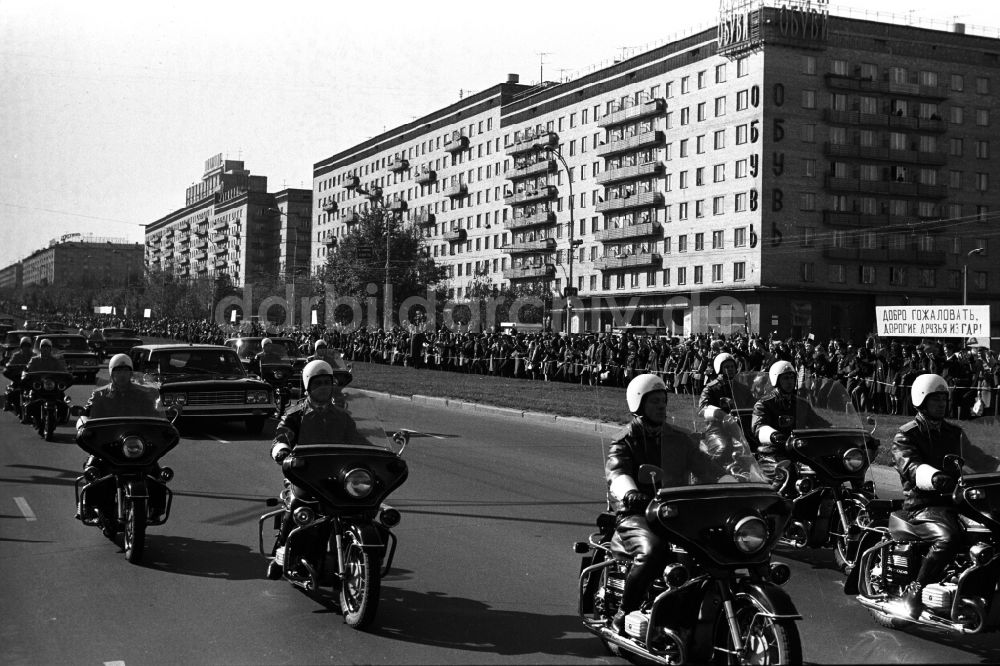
(699, 176)
(955, 147)
(838, 67)
(807, 201)
(869, 172)
(957, 82)
(699, 242)
(685, 85)
(699, 274)
(682, 243)
(740, 237)
(928, 277)
(702, 79)
(683, 180)
(897, 275)
(740, 202)
(685, 115)
(682, 210)
(982, 85)
(716, 272)
(956, 115)
(897, 75)
(807, 272)
(720, 106)
(838, 102)
(928, 78)
(983, 117)
(739, 271)
(808, 234)
(808, 99)
(837, 273)
(982, 181)
(809, 65)
(718, 241)
(699, 144)
(666, 277)
(868, 104)
(669, 89)
(742, 100)
(720, 139)
(741, 168)
(699, 208)
(701, 111)
(719, 173)
(741, 134)
(809, 133)
(720, 73)
(809, 168)
(681, 275)
(741, 67)
(983, 149)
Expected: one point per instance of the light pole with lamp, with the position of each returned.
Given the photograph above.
(965, 273)
(376, 196)
(570, 291)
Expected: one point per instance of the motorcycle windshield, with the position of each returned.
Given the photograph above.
(128, 441)
(345, 456)
(981, 456)
(825, 427)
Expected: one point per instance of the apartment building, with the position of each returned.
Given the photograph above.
(787, 171)
(231, 226)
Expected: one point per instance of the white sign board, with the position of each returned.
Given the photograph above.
(147, 313)
(933, 321)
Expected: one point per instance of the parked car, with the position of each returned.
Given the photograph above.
(12, 339)
(119, 340)
(206, 381)
(75, 353)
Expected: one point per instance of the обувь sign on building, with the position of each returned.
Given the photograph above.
(936, 321)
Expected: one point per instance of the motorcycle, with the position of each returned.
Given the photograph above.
(826, 476)
(127, 491)
(335, 494)
(967, 600)
(719, 600)
(12, 394)
(279, 376)
(44, 401)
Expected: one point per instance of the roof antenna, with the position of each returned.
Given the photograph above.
(541, 66)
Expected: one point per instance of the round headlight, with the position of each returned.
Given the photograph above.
(49, 384)
(133, 446)
(180, 399)
(750, 534)
(36, 385)
(278, 374)
(358, 483)
(303, 515)
(854, 459)
(62, 386)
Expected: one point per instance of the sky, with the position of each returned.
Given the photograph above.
(108, 110)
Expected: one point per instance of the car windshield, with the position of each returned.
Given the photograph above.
(287, 348)
(119, 333)
(196, 361)
(69, 343)
(14, 337)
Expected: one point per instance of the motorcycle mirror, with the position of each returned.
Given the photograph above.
(954, 462)
(400, 438)
(648, 474)
(173, 413)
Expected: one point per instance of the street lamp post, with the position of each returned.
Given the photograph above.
(573, 244)
(965, 274)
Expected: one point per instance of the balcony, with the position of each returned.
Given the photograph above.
(642, 110)
(184, 259)
(455, 236)
(612, 263)
(912, 255)
(530, 247)
(220, 224)
(222, 247)
(907, 189)
(531, 140)
(426, 177)
(399, 164)
(539, 167)
(631, 172)
(201, 243)
(202, 266)
(882, 120)
(426, 219)
(536, 272)
(841, 253)
(456, 191)
(456, 143)
(846, 82)
(183, 226)
(200, 255)
(398, 206)
(543, 193)
(350, 217)
(629, 231)
(184, 247)
(855, 220)
(635, 142)
(331, 208)
(634, 201)
(330, 241)
(541, 218)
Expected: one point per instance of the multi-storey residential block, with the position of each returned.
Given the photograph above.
(77, 260)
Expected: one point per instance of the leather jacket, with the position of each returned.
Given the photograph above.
(135, 400)
(726, 395)
(313, 424)
(918, 450)
(784, 414)
(636, 445)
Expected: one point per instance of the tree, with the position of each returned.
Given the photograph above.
(358, 261)
(533, 297)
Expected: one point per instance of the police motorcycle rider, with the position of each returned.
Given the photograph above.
(647, 439)
(320, 350)
(122, 397)
(44, 361)
(777, 414)
(322, 418)
(269, 353)
(15, 366)
(718, 399)
(918, 450)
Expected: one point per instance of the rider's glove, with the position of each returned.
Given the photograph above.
(942, 482)
(281, 454)
(635, 502)
(779, 439)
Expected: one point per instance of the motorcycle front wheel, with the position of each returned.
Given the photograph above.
(360, 583)
(135, 529)
(765, 640)
(845, 550)
(50, 425)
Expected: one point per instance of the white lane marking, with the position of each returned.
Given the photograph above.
(22, 504)
(220, 441)
(114, 663)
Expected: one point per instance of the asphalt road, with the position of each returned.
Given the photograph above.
(484, 573)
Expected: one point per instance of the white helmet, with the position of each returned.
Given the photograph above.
(265, 342)
(315, 368)
(641, 386)
(720, 359)
(777, 369)
(924, 385)
(119, 360)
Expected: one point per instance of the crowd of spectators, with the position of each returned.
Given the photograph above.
(877, 372)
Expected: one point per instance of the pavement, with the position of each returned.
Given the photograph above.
(886, 478)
